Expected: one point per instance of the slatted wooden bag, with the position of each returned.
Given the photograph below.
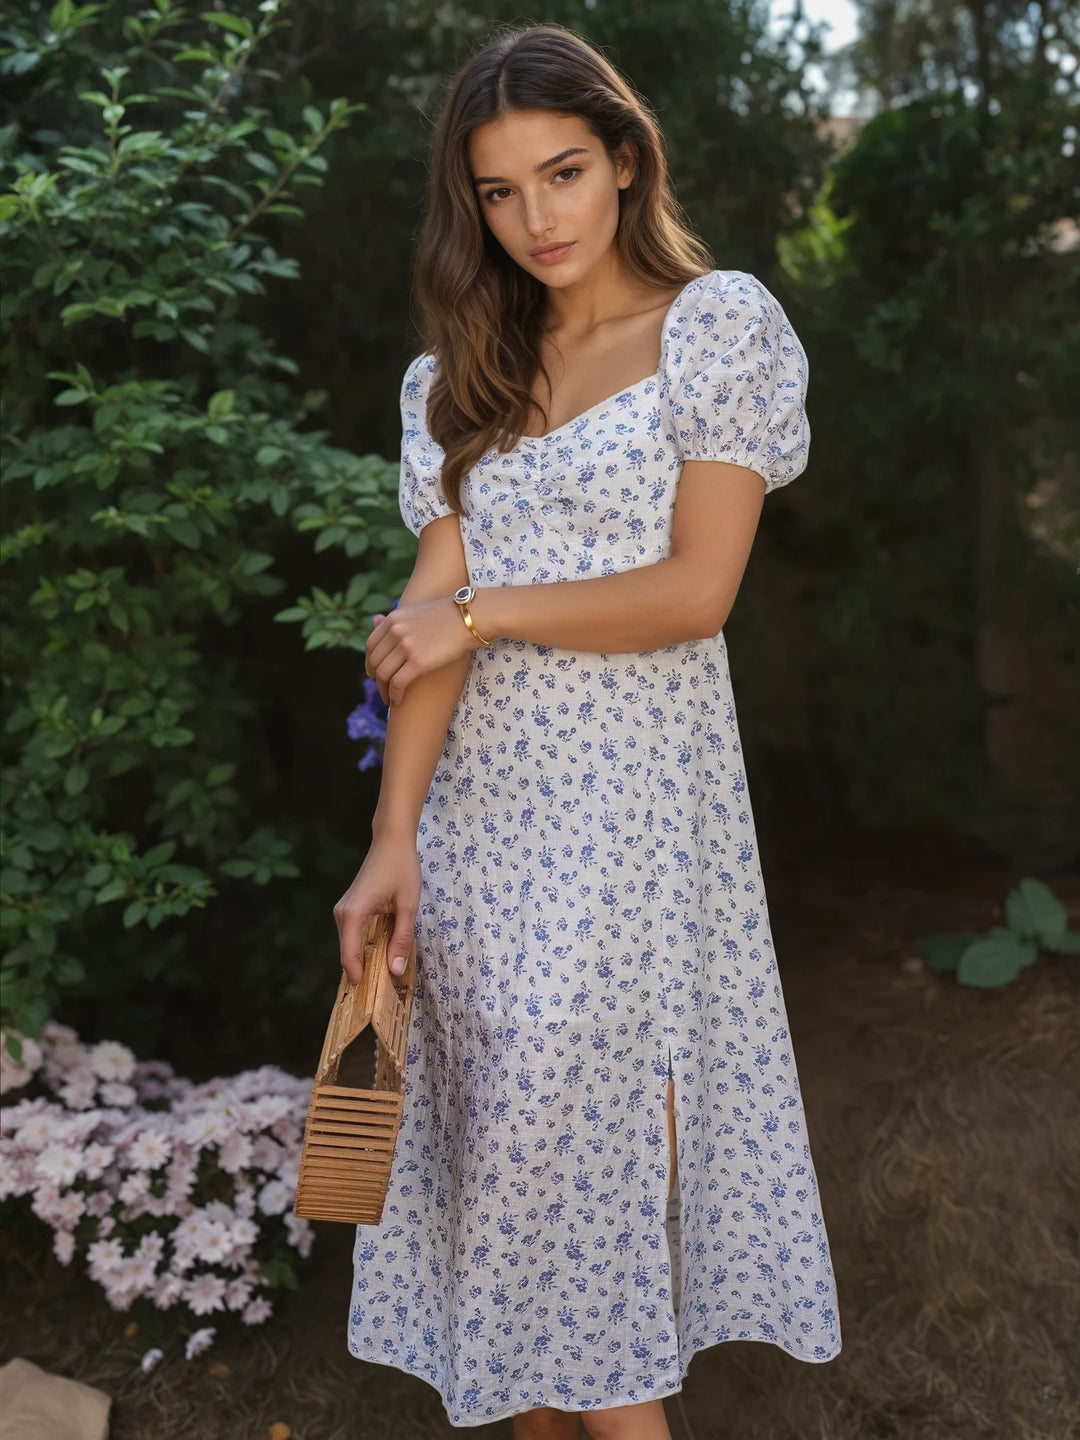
(351, 1131)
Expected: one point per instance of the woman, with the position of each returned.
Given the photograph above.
(599, 1038)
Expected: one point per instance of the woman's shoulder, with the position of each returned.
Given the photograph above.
(722, 288)
(719, 312)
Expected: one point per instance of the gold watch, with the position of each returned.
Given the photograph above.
(462, 597)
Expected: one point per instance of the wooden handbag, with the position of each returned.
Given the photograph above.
(351, 1130)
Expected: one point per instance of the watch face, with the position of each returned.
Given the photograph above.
(462, 594)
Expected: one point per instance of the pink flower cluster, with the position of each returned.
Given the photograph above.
(166, 1189)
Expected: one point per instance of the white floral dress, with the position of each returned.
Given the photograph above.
(593, 919)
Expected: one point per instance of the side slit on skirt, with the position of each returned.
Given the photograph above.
(673, 1223)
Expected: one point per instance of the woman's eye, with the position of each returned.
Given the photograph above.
(571, 170)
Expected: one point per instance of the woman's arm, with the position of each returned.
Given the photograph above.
(416, 726)
(389, 880)
(686, 596)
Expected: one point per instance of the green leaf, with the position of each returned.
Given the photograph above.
(68, 970)
(1003, 933)
(72, 314)
(76, 780)
(261, 162)
(312, 119)
(1067, 944)
(943, 952)
(221, 404)
(1035, 913)
(278, 1273)
(237, 868)
(994, 961)
(238, 24)
(115, 890)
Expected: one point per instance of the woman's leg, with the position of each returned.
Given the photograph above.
(671, 1135)
(545, 1423)
(628, 1422)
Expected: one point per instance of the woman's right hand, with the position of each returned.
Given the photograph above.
(387, 881)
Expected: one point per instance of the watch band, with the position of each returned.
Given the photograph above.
(461, 599)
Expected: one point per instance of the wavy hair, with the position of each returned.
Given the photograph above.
(478, 312)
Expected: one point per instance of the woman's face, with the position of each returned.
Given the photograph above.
(544, 179)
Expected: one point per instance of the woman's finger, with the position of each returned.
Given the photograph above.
(375, 620)
(401, 942)
(353, 929)
(403, 678)
(388, 672)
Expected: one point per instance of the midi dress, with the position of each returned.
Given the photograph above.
(593, 921)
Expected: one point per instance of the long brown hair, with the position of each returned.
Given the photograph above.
(478, 312)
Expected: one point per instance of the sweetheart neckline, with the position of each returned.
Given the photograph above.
(627, 389)
(608, 401)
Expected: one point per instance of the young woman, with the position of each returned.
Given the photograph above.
(599, 1040)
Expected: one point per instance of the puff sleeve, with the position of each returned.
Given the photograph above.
(420, 496)
(740, 391)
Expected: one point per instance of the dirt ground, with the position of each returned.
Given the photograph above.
(945, 1129)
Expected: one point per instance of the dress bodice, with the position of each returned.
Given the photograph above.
(596, 495)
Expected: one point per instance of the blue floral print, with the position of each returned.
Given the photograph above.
(592, 921)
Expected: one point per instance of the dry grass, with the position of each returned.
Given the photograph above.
(945, 1127)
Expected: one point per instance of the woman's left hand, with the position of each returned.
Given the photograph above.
(412, 640)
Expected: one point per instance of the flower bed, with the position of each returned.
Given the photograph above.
(169, 1191)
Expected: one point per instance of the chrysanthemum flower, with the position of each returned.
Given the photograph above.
(205, 1293)
(110, 1060)
(199, 1341)
(257, 1312)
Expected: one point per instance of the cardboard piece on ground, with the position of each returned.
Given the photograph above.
(35, 1405)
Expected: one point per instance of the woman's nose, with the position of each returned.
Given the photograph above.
(538, 216)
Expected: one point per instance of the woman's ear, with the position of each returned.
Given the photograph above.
(625, 158)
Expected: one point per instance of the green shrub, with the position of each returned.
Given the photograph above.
(155, 454)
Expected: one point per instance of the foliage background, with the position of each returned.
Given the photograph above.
(175, 827)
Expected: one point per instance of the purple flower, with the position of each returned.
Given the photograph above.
(368, 721)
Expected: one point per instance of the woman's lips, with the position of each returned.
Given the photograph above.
(559, 252)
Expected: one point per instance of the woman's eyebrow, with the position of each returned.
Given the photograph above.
(537, 169)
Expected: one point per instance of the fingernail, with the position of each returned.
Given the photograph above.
(397, 964)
